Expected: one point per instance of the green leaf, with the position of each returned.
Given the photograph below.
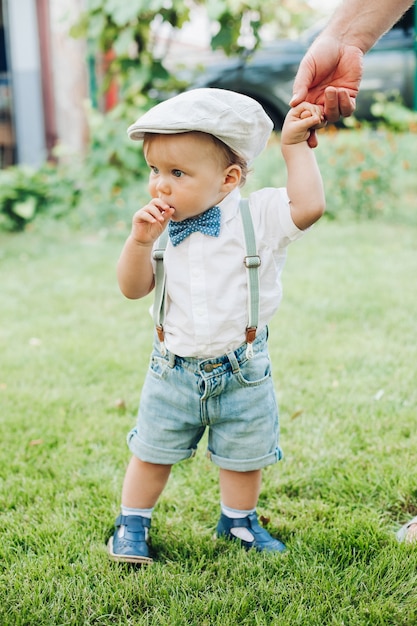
(26, 209)
(96, 25)
(80, 28)
(123, 43)
(215, 9)
(94, 5)
(124, 12)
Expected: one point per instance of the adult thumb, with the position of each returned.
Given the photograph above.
(299, 91)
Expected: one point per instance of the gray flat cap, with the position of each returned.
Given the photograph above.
(237, 120)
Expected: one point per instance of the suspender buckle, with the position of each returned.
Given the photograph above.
(252, 261)
(158, 254)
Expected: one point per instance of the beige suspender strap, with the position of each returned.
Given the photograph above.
(159, 299)
(252, 262)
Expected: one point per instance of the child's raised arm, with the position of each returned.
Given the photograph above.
(304, 182)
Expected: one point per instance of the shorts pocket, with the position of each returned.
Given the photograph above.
(158, 366)
(255, 371)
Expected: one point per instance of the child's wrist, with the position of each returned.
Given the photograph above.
(141, 244)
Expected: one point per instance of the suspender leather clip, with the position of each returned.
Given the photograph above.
(250, 338)
(250, 334)
(161, 337)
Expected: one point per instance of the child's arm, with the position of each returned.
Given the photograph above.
(304, 182)
(134, 269)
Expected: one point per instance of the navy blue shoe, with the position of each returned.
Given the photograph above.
(262, 540)
(129, 542)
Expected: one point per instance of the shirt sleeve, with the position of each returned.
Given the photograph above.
(271, 214)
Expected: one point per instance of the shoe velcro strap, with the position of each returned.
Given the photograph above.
(133, 522)
(239, 522)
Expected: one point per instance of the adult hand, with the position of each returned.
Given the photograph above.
(329, 75)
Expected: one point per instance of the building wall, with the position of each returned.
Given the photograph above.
(70, 75)
(25, 73)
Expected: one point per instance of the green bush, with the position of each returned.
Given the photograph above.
(25, 193)
(394, 114)
(367, 173)
(109, 172)
(359, 169)
(22, 193)
(86, 190)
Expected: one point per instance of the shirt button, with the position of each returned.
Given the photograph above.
(208, 367)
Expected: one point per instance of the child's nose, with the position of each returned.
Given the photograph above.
(162, 185)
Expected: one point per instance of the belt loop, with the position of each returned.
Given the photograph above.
(171, 359)
(233, 362)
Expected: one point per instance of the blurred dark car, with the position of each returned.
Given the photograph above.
(267, 75)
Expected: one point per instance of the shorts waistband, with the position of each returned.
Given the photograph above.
(235, 358)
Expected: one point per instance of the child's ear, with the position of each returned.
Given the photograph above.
(232, 177)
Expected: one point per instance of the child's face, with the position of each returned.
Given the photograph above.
(188, 172)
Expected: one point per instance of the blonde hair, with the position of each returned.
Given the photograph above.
(231, 158)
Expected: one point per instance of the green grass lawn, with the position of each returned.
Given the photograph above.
(73, 355)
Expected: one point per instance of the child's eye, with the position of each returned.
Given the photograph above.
(154, 169)
(177, 173)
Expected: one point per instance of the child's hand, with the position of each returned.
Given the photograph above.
(150, 221)
(301, 122)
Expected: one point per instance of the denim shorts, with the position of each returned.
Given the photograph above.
(232, 396)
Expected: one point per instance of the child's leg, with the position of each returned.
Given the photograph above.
(238, 520)
(240, 490)
(143, 484)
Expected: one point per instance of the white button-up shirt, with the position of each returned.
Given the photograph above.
(206, 279)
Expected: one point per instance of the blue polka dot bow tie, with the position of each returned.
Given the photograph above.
(207, 223)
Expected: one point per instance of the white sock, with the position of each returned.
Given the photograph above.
(235, 513)
(240, 532)
(125, 510)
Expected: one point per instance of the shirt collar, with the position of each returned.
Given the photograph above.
(230, 205)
